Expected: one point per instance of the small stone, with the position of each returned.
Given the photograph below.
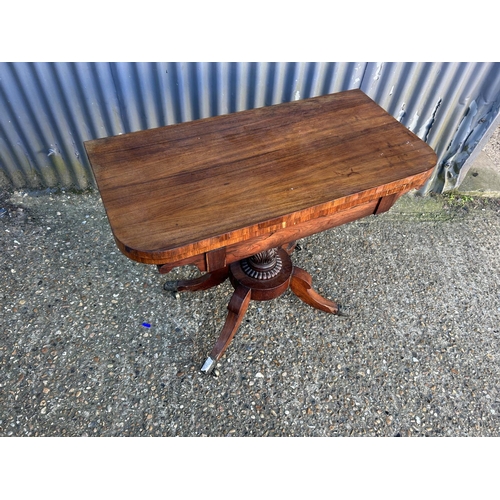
(259, 375)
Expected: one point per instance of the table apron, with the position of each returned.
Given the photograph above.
(215, 259)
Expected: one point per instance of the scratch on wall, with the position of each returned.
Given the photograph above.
(402, 112)
(414, 122)
(54, 150)
(75, 148)
(425, 129)
(459, 149)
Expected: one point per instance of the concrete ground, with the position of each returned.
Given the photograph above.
(483, 176)
(417, 353)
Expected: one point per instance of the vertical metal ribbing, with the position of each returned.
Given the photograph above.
(49, 109)
(15, 159)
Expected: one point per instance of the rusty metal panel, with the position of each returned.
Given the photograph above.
(47, 110)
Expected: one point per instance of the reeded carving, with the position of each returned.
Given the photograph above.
(265, 258)
(263, 265)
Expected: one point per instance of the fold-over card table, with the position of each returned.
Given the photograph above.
(232, 194)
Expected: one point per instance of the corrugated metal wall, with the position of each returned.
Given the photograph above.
(47, 110)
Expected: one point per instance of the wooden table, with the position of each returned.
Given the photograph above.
(232, 194)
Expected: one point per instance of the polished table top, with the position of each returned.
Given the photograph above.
(184, 189)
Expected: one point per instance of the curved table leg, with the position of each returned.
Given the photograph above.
(237, 307)
(301, 285)
(290, 247)
(203, 282)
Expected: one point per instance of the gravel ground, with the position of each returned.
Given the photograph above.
(417, 354)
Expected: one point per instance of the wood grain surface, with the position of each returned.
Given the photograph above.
(181, 190)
